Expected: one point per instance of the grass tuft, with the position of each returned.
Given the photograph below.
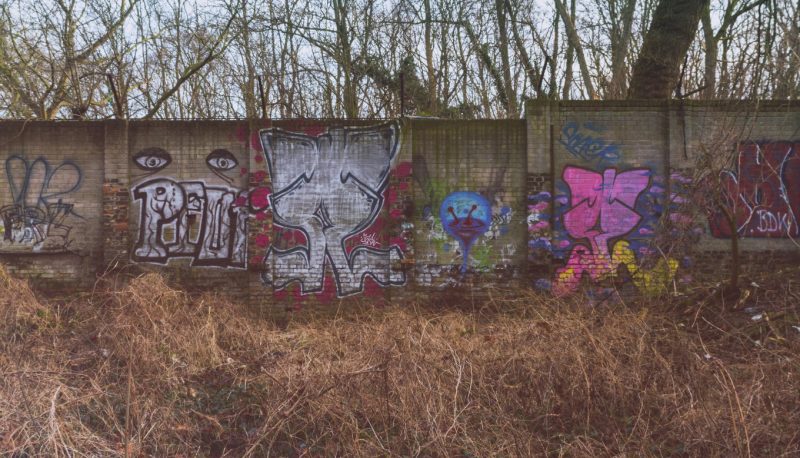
(147, 369)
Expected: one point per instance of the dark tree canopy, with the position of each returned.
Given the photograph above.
(672, 31)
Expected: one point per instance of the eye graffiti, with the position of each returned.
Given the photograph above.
(191, 219)
(152, 159)
(221, 160)
(156, 159)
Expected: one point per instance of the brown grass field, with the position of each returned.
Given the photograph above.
(148, 370)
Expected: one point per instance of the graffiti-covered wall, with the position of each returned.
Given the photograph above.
(188, 188)
(764, 185)
(51, 199)
(333, 198)
(636, 194)
(609, 195)
(469, 200)
(580, 197)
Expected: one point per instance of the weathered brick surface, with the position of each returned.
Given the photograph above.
(50, 201)
(597, 195)
(116, 193)
(479, 157)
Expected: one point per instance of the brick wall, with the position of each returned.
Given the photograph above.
(595, 196)
(635, 184)
(50, 201)
(458, 165)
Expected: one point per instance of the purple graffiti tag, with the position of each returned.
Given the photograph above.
(602, 208)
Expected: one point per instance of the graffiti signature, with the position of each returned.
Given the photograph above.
(764, 191)
(38, 215)
(583, 141)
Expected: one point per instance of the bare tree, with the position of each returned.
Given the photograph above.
(711, 39)
(342, 58)
(577, 47)
(48, 61)
(657, 69)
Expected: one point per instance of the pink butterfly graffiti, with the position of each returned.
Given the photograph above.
(602, 207)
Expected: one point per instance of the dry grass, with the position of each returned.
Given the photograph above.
(148, 370)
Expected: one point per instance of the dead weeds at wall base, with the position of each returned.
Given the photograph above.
(149, 370)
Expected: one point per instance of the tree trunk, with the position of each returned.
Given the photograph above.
(553, 90)
(710, 67)
(533, 75)
(570, 58)
(508, 86)
(575, 40)
(657, 69)
(250, 102)
(431, 107)
(350, 99)
(621, 40)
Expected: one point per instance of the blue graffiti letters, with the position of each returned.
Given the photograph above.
(583, 141)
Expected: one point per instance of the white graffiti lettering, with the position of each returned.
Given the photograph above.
(778, 222)
(330, 187)
(190, 219)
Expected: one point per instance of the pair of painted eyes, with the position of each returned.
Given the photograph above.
(154, 159)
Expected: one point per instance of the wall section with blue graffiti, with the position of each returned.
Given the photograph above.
(469, 201)
(581, 197)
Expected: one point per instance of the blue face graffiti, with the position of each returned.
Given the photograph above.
(465, 216)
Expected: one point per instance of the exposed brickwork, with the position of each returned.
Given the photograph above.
(116, 199)
(116, 194)
(580, 195)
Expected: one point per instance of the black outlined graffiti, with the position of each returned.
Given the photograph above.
(221, 161)
(152, 159)
(38, 215)
(190, 219)
(330, 187)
